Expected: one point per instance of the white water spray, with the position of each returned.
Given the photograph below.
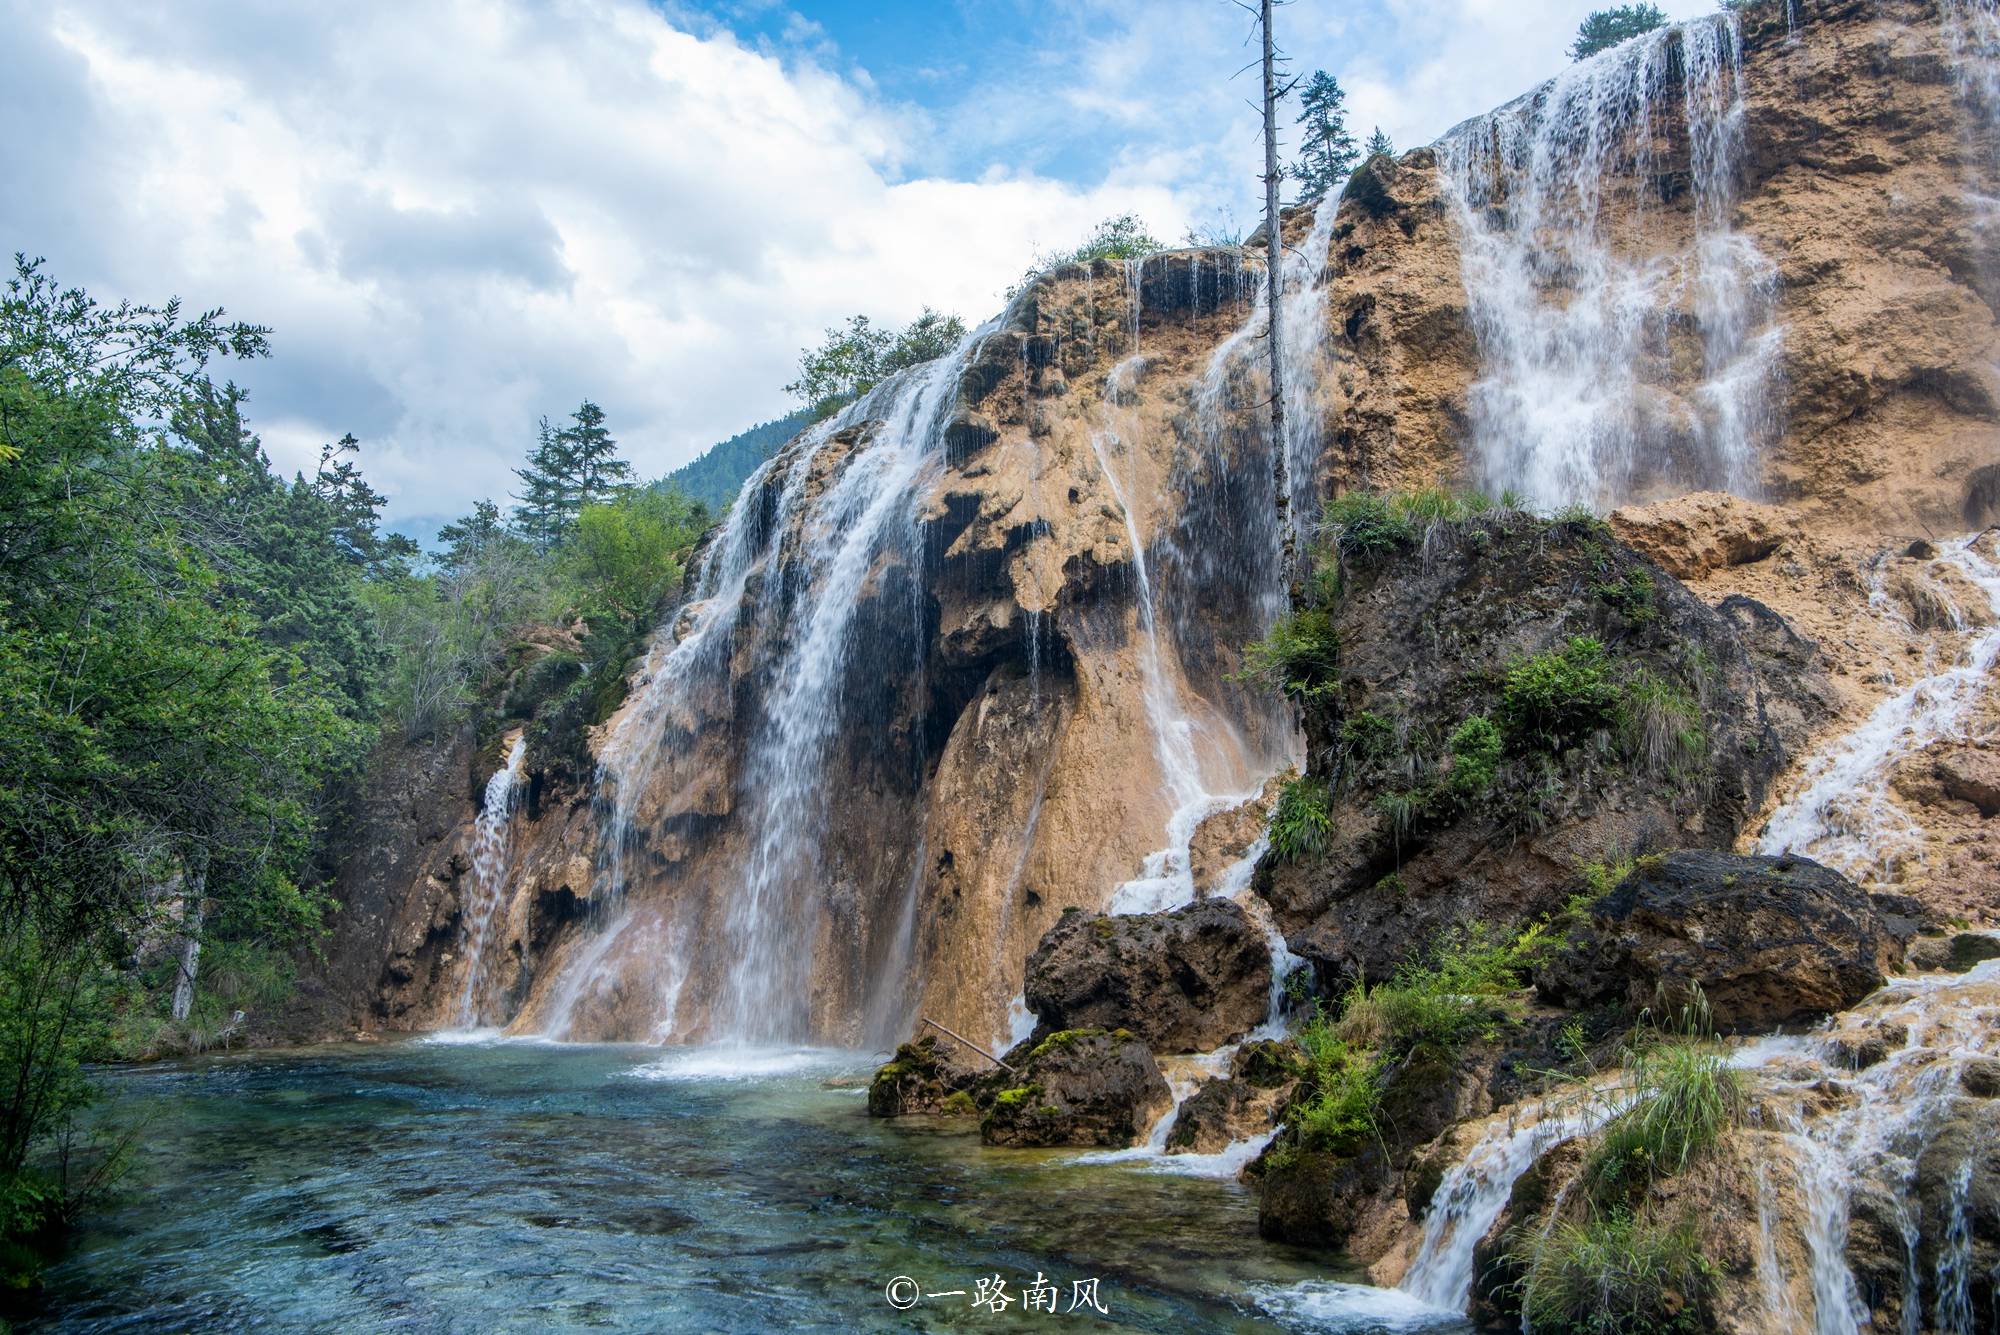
(489, 875)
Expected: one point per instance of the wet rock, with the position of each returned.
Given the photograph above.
(1220, 841)
(925, 1076)
(1956, 953)
(1187, 981)
(1770, 941)
(1267, 1063)
(1222, 1112)
(1981, 1078)
(1313, 1199)
(1078, 1087)
(1866, 1045)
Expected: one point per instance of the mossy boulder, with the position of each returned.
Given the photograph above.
(925, 1076)
(1076, 1087)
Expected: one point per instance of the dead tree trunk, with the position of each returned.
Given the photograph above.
(1274, 287)
(194, 885)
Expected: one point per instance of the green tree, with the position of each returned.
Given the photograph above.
(1378, 146)
(465, 538)
(570, 467)
(1327, 152)
(625, 558)
(858, 355)
(1608, 27)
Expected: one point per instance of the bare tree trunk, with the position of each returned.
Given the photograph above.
(194, 883)
(1274, 285)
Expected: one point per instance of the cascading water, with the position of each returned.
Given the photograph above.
(1854, 1131)
(489, 875)
(1577, 318)
(1846, 812)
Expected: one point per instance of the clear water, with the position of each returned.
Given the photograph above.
(427, 1186)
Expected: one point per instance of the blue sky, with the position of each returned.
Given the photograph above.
(458, 215)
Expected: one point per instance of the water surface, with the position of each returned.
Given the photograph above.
(430, 1186)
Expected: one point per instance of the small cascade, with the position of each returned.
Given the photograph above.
(1845, 812)
(1476, 1189)
(489, 876)
(1557, 203)
(1972, 36)
(1853, 1131)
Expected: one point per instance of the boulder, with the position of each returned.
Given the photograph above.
(1312, 1199)
(1186, 981)
(1078, 1087)
(1956, 953)
(925, 1076)
(1971, 776)
(1770, 941)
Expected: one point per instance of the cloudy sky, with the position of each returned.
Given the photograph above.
(458, 215)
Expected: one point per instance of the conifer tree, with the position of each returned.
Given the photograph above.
(1378, 146)
(1327, 152)
(569, 468)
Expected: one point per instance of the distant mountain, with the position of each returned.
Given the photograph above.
(718, 474)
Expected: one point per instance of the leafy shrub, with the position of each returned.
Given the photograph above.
(1616, 1275)
(1300, 655)
(1302, 822)
(1343, 1090)
(1475, 746)
(1369, 738)
(1632, 596)
(1560, 694)
(1449, 996)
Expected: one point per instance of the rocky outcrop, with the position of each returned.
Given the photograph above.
(1079, 1087)
(1513, 698)
(1245, 1103)
(1186, 981)
(925, 1076)
(1768, 942)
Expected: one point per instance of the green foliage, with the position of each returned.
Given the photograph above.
(1365, 525)
(1327, 152)
(1302, 821)
(1631, 596)
(1476, 747)
(1662, 725)
(1616, 1275)
(1123, 237)
(1341, 1090)
(1681, 1096)
(570, 468)
(624, 558)
(1608, 27)
(1378, 146)
(1300, 655)
(1449, 995)
(857, 356)
(1561, 694)
(718, 474)
(1369, 738)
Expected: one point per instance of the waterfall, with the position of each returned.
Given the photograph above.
(852, 505)
(1972, 36)
(489, 875)
(1577, 317)
(1845, 812)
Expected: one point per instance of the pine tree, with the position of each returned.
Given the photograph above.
(544, 506)
(1378, 146)
(465, 539)
(1327, 153)
(597, 473)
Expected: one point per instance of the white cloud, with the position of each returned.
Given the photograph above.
(460, 214)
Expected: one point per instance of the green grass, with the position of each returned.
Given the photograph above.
(1446, 998)
(1369, 738)
(1661, 725)
(1616, 1275)
(1364, 526)
(1302, 821)
(1683, 1097)
(1632, 597)
(1559, 695)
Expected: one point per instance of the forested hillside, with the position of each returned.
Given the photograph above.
(716, 476)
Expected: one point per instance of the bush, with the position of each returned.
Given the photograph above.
(1302, 822)
(1475, 745)
(1299, 656)
(1369, 738)
(1448, 997)
(1616, 1275)
(1560, 694)
(1632, 596)
(1364, 526)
